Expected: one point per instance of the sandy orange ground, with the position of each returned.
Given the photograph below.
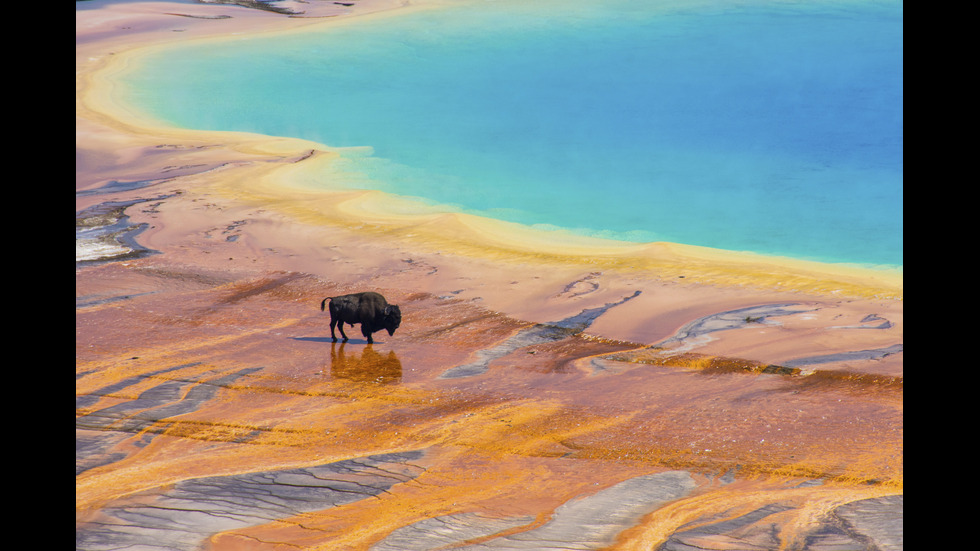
(247, 250)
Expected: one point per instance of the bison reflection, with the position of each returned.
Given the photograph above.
(370, 367)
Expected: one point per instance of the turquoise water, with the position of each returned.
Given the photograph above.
(771, 127)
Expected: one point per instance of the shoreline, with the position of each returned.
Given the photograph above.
(291, 188)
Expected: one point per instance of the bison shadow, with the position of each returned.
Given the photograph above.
(330, 340)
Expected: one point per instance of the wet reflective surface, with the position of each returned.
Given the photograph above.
(216, 411)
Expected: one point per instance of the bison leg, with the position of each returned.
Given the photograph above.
(333, 323)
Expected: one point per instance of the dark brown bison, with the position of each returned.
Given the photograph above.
(369, 309)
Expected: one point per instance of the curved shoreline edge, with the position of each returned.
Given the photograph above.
(295, 189)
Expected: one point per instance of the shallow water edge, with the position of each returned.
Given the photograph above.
(323, 170)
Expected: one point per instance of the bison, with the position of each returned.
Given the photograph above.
(370, 309)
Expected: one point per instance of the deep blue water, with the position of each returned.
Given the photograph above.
(772, 127)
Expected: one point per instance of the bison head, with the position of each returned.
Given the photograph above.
(393, 318)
